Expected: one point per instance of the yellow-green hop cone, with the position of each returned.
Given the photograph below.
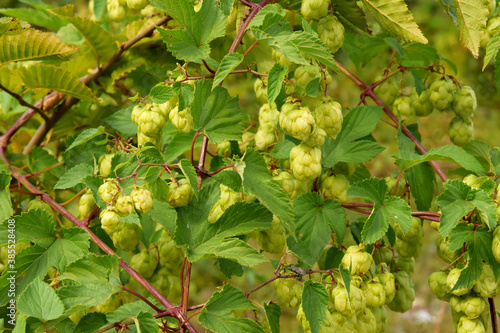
(289, 292)
(137, 4)
(465, 102)
(421, 103)
(366, 321)
(461, 131)
(182, 120)
(374, 292)
(439, 286)
(452, 280)
(334, 186)
(151, 122)
(86, 204)
(328, 116)
(409, 248)
(264, 138)
(126, 236)
(305, 162)
(495, 245)
(180, 194)
(444, 252)
(305, 73)
(486, 286)
(224, 148)
(110, 219)
(161, 281)
(274, 239)
(331, 32)
(392, 182)
(466, 325)
(228, 197)
(116, 11)
(317, 137)
(343, 324)
(441, 94)
(298, 123)
(143, 139)
(402, 107)
(387, 91)
(355, 304)
(39, 204)
(260, 88)
(124, 205)
(381, 318)
(145, 262)
(473, 306)
(136, 112)
(109, 305)
(388, 280)
(357, 259)
(143, 200)
(292, 187)
(171, 256)
(326, 325)
(268, 117)
(108, 191)
(405, 294)
(105, 164)
(314, 9)
(282, 60)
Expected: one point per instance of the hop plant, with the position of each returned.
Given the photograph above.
(343, 324)
(264, 138)
(182, 120)
(392, 182)
(406, 264)
(496, 244)
(124, 205)
(282, 60)
(109, 220)
(357, 259)
(86, 204)
(366, 321)
(465, 102)
(443, 251)
(108, 191)
(387, 91)
(180, 194)
(421, 103)
(305, 73)
(289, 292)
(328, 116)
(143, 200)
(274, 239)
(402, 107)
(298, 123)
(441, 94)
(405, 294)
(317, 137)
(314, 9)
(105, 164)
(439, 286)
(109, 305)
(334, 186)
(331, 32)
(380, 314)
(452, 280)
(145, 262)
(326, 325)
(305, 162)
(461, 131)
(126, 236)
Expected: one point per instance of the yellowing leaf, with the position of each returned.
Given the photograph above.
(395, 17)
(472, 16)
(55, 78)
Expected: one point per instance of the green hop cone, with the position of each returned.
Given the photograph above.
(366, 321)
(180, 194)
(405, 293)
(473, 306)
(416, 233)
(374, 292)
(171, 256)
(228, 197)
(314, 9)
(126, 236)
(334, 186)
(495, 245)
(264, 138)
(282, 60)
(116, 11)
(392, 182)
(298, 123)
(452, 280)
(105, 164)
(260, 88)
(289, 292)
(109, 305)
(124, 205)
(108, 191)
(143, 139)
(406, 264)
(421, 103)
(465, 102)
(137, 4)
(136, 112)
(342, 324)
(143, 200)
(461, 131)
(356, 303)
(491, 30)
(305, 162)
(357, 259)
(466, 325)
(328, 116)
(39, 204)
(439, 286)
(486, 286)
(331, 32)
(268, 117)
(274, 239)
(387, 91)
(317, 137)
(441, 94)
(389, 282)
(161, 281)
(326, 325)
(110, 219)
(443, 251)
(86, 204)
(224, 148)
(182, 120)
(305, 73)
(151, 121)
(145, 262)
(292, 187)
(402, 107)
(381, 318)
(409, 249)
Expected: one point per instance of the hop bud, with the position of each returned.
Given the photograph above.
(136, 112)
(326, 325)
(105, 164)
(264, 138)
(328, 115)
(274, 239)
(305, 162)
(465, 103)
(366, 321)
(461, 131)
(116, 11)
(126, 236)
(137, 4)
(228, 197)
(151, 122)
(402, 107)
(86, 204)
(473, 306)
(143, 200)
(441, 94)
(109, 219)
(182, 120)
(180, 194)
(486, 285)
(357, 259)
(466, 325)
(289, 292)
(387, 91)
(317, 137)
(374, 293)
(124, 205)
(145, 262)
(388, 281)
(331, 32)
(495, 247)
(108, 191)
(292, 187)
(443, 251)
(356, 303)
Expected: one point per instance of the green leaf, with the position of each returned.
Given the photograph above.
(12, 26)
(39, 17)
(74, 176)
(40, 301)
(164, 214)
(362, 49)
(350, 11)
(86, 135)
(161, 94)
(315, 219)
(6, 210)
(216, 314)
(91, 322)
(216, 114)
(190, 174)
(491, 50)
(312, 87)
(472, 16)
(396, 18)
(229, 267)
(121, 121)
(385, 209)
(33, 45)
(447, 153)
(458, 200)
(227, 65)
(55, 78)
(346, 278)
(282, 149)
(258, 181)
(179, 144)
(420, 177)
(231, 179)
(273, 314)
(127, 310)
(481, 151)
(198, 29)
(312, 46)
(275, 82)
(217, 240)
(146, 322)
(36, 226)
(315, 301)
(497, 73)
(358, 123)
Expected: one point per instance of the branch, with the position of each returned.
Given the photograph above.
(144, 299)
(24, 103)
(493, 315)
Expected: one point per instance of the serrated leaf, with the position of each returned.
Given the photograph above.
(282, 149)
(312, 46)
(458, 200)
(350, 11)
(275, 81)
(74, 176)
(315, 219)
(127, 310)
(40, 301)
(190, 174)
(6, 210)
(471, 16)
(273, 314)
(12, 26)
(315, 301)
(491, 50)
(198, 29)
(231, 179)
(86, 135)
(146, 322)
(55, 78)
(36, 226)
(216, 314)
(33, 45)
(227, 65)
(91, 322)
(312, 87)
(38, 17)
(161, 94)
(216, 114)
(396, 18)
(121, 121)
(362, 49)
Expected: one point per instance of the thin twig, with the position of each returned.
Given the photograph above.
(144, 299)
(24, 103)
(493, 315)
